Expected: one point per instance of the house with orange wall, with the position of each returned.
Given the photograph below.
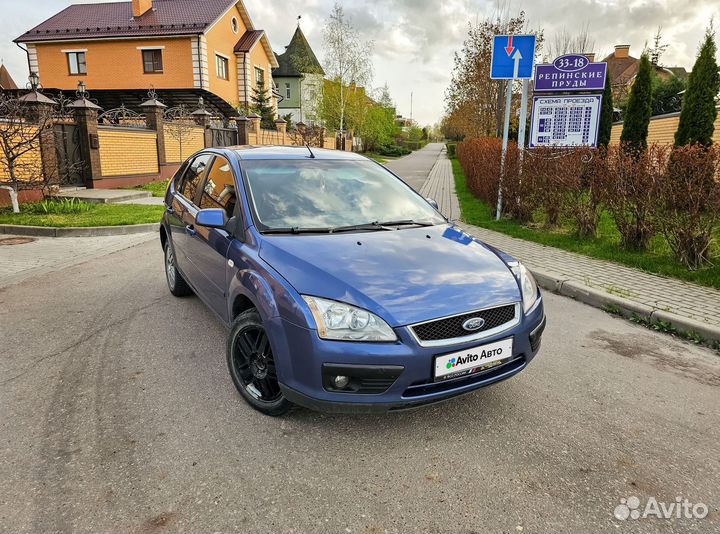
(183, 49)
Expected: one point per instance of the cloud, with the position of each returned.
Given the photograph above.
(414, 40)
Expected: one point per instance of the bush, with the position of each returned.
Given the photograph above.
(543, 172)
(393, 151)
(690, 203)
(414, 145)
(480, 159)
(677, 193)
(585, 174)
(451, 150)
(630, 192)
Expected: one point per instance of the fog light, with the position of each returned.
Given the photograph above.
(341, 381)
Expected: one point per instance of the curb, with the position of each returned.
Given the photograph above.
(90, 231)
(598, 298)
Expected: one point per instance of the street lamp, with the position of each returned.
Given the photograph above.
(34, 81)
(81, 89)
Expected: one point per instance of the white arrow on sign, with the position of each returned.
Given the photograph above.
(517, 56)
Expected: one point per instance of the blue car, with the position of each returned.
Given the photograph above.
(343, 289)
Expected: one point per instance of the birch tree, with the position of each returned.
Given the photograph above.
(21, 128)
(347, 57)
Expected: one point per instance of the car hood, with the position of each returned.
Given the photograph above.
(405, 276)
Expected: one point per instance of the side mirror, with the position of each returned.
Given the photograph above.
(433, 203)
(212, 218)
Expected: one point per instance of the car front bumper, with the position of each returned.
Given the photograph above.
(398, 376)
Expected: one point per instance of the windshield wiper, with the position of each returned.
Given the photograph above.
(297, 230)
(405, 222)
(373, 226)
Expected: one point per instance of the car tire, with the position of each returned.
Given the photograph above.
(176, 283)
(252, 366)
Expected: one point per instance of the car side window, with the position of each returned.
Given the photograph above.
(193, 176)
(219, 190)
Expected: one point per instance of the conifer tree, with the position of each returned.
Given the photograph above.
(639, 108)
(698, 114)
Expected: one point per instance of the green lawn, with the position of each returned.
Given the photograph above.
(658, 259)
(156, 188)
(377, 157)
(96, 215)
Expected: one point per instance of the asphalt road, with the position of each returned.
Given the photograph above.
(117, 414)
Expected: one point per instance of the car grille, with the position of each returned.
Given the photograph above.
(451, 327)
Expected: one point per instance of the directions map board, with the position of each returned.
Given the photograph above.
(565, 121)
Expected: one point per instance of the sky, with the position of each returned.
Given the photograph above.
(414, 40)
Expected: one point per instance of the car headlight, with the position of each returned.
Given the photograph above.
(528, 285)
(343, 322)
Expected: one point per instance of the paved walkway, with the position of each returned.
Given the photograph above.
(47, 254)
(414, 168)
(659, 294)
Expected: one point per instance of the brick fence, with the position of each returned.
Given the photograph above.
(119, 148)
(661, 130)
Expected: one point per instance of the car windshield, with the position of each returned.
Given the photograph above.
(331, 194)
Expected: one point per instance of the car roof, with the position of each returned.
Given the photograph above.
(249, 152)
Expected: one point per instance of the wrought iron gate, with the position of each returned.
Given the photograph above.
(224, 136)
(69, 154)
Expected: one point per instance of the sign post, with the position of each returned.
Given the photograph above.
(513, 58)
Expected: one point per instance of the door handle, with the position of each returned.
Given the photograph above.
(190, 229)
(170, 209)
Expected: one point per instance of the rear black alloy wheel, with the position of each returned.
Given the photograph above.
(176, 283)
(252, 366)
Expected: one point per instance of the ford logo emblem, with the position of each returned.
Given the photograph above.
(474, 323)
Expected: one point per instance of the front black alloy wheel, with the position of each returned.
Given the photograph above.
(252, 366)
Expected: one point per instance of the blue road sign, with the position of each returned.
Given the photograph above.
(509, 50)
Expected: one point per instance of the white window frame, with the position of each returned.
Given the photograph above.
(257, 85)
(226, 62)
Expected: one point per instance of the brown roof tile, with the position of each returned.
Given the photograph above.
(248, 40)
(97, 21)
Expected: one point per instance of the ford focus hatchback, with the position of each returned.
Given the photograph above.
(343, 289)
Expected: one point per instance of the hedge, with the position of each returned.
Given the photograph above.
(672, 191)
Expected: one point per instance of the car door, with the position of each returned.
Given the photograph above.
(209, 246)
(182, 212)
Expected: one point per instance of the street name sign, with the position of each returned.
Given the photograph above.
(565, 121)
(513, 57)
(572, 72)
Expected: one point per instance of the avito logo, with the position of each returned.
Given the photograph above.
(460, 360)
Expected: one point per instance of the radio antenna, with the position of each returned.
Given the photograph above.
(310, 150)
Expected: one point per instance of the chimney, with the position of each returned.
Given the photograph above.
(622, 51)
(590, 56)
(140, 7)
